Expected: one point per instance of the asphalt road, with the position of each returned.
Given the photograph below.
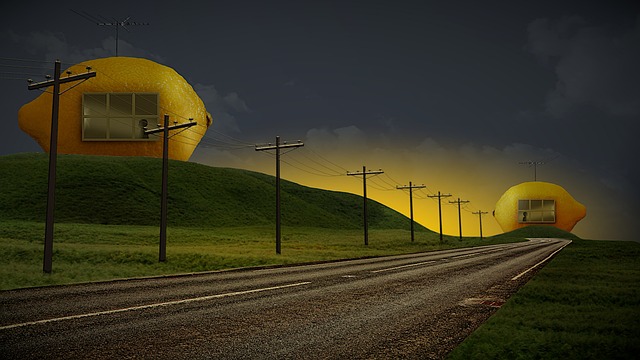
(411, 306)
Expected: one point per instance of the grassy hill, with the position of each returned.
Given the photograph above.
(126, 191)
(539, 231)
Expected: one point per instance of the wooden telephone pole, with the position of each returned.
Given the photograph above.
(480, 213)
(364, 174)
(440, 196)
(53, 152)
(165, 179)
(459, 214)
(411, 187)
(277, 148)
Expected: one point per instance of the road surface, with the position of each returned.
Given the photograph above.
(411, 306)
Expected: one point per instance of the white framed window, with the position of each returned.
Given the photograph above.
(119, 116)
(536, 211)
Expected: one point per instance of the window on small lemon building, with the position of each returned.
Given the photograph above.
(536, 211)
(119, 116)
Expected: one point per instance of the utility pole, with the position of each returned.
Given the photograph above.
(53, 152)
(480, 213)
(165, 178)
(277, 148)
(459, 214)
(364, 174)
(535, 167)
(440, 196)
(411, 187)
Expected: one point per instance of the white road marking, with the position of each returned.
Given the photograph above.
(463, 256)
(403, 266)
(540, 263)
(150, 306)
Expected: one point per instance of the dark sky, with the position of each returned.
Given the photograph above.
(491, 82)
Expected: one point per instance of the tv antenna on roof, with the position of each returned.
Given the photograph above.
(535, 167)
(102, 21)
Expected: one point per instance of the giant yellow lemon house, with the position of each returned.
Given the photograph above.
(108, 114)
(538, 203)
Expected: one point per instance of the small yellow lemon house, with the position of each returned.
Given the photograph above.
(538, 203)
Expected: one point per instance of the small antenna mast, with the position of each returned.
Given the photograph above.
(535, 167)
(102, 21)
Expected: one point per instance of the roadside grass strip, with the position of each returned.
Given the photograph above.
(584, 304)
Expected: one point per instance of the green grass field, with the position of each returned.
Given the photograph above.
(107, 221)
(90, 252)
(584, 304)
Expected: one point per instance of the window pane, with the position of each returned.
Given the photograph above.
(549, 216)
(120, 105)
(549, 205)
(121, 128)
(536, 204)
(523, 204)
(146, 104)
(94, 104)
(534, 216)
(95, 128)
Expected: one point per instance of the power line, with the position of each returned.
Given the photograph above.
(312, 170)
(328, 170)
(328, 161)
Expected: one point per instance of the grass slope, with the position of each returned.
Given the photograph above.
(538, 231)
(126, 191)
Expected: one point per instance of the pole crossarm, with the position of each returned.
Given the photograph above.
(172, 127)
(279, 146)
(403, 187)
(71, 78)
(366, 172)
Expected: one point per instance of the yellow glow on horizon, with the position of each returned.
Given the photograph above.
(480, 175)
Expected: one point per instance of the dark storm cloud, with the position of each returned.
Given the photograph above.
(594, 66)
(223, 106)
(596, 97)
